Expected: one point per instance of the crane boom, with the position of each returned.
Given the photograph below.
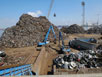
(46, 37)
(52, 1)
(63, 48)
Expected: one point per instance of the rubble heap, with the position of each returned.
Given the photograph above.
(95, 29)
(79, 29)
(73, 29)
(83, 59)
(28, 31)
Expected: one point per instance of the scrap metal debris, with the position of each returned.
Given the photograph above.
(83, 59)
(2, 57)
(79, 29)
(73, 29)
(95, 29)
(27, 32)
(2, 54)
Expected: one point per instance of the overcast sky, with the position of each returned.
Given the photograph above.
(67, 11)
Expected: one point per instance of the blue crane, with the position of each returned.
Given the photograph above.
(46, 37)
(63, 48)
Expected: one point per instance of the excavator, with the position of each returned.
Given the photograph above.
(46, 37)
(50, 28)
(63, 48)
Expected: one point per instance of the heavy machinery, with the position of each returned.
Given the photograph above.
(63, 48)
(46, 37)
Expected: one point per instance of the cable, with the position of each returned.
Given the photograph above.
(50, 8)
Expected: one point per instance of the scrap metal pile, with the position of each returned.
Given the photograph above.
(95, 29)
(83, 59)
(79, 29)
(73, 29)
(27, 32)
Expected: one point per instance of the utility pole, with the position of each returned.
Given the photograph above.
(83, 15)
(98, 19)
(98, 15)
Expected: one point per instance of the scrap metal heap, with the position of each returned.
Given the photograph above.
(28, 31)
(83, 59)
(74, 28)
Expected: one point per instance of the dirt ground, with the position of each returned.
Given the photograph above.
(22, 55)
(18, 55)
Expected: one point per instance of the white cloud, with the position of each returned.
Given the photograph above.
(35, 14)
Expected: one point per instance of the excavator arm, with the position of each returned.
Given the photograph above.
(63, 48)
(46, 37)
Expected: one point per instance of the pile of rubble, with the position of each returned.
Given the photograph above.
(64, 29)
(83, 59)
(79, 29)
(28, 31)
(96, 30)
(73, 29)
